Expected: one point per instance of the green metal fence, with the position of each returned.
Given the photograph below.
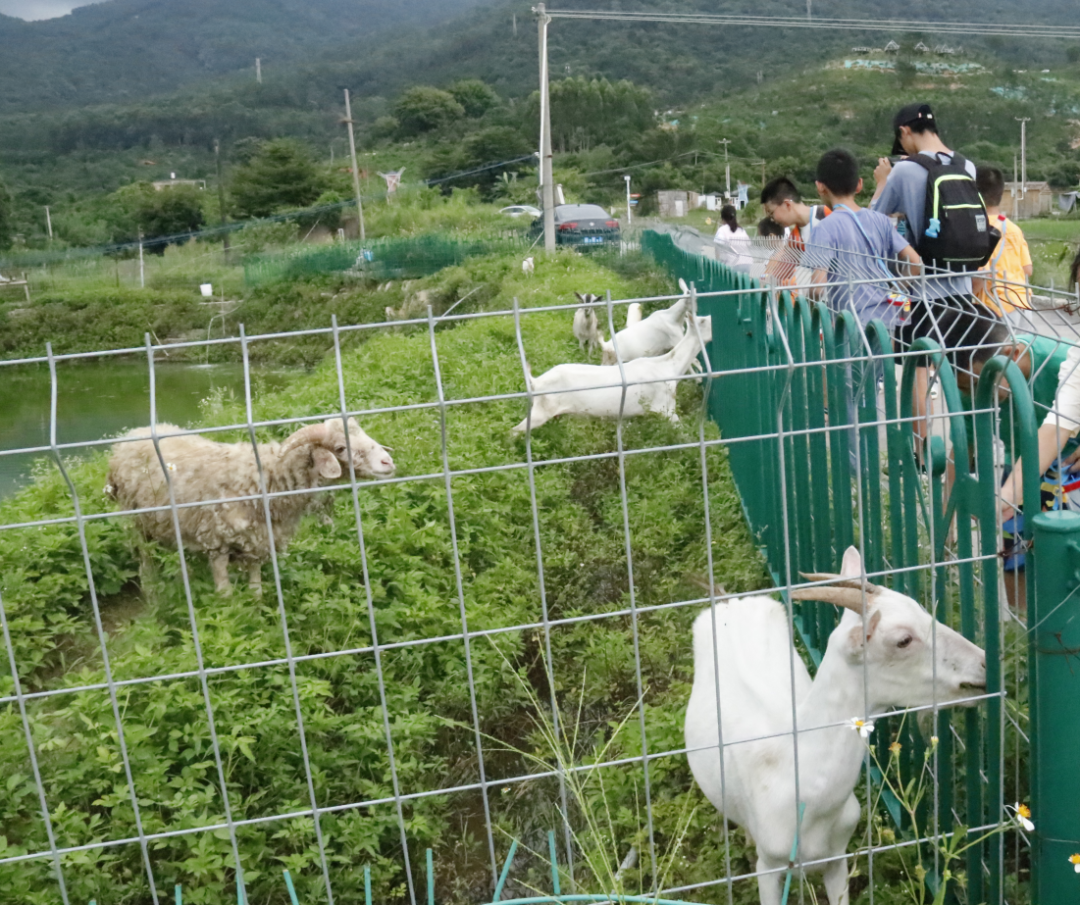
(382, 259)
(787, 392)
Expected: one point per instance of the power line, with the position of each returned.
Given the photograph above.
(1006, 29)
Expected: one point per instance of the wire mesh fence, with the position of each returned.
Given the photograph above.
(469, 680)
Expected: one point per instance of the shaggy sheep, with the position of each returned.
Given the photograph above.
(202, 469)
(610, 391)
(893, 653)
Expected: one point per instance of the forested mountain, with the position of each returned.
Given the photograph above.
(126, 50)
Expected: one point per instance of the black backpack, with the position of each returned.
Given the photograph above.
(956, 231)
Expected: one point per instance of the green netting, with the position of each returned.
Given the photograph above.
(381, 259)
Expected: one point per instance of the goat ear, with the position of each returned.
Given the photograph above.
(852, 566)
(326, 464)
(855, 636)
(683, 286)
(580, 297)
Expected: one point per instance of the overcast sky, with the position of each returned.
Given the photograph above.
(41, 9)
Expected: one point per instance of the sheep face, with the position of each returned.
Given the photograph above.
(912, 660)
(331, 453)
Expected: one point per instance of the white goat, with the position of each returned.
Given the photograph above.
(655, 335)
(528, 266)
(586, 327)
(608, 391)
(633, 314)
(909, 660)
(202, 469)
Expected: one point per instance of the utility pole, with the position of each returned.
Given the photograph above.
(221, 200)
(727, 166)
(48, 221)
(355, 168)
(808, 2)
(629, 219)
(1023, 120)
(1016, 190)
(546, 177)
(763, 172)
(258, 70)
(142, 272)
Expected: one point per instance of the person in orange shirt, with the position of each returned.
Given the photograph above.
(783, 204)
(1004, 288)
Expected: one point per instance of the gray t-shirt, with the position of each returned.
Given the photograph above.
(905, 193)
(849, 253)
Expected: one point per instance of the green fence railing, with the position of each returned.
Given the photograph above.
(789, 408)
(408, 257)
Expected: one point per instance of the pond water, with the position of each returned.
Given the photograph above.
(100, 399)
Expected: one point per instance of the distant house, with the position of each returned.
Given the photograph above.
(921, 48)
(170, 183)
(676, 203)
(1036, 201)
(892, 47)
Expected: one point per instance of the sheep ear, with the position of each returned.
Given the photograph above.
(852, 566)
(326, 464)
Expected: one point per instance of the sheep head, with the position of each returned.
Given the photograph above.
(330, 453)
(911, 659)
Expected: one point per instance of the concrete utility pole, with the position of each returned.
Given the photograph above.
(221, 200)
(546, 178)
(142, 271)
(355, 168)
(48, 221)
(727, 166)
(258, 70)
(629, 219)
(1023, 120)
(1016, 190)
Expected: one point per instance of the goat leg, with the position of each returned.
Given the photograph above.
(219, 566)
(836, 882)
(255, 578)
(770, 885)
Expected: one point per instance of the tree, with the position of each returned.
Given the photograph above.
(1072, 54)
(158, 216)
(6, 228)
(280, 174)
(475, 96)
(424, 109)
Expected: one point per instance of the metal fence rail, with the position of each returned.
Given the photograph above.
(510, 731)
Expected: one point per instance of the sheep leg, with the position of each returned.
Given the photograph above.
(255, 578)
(770, 886)
(219, 565)
(836, 882)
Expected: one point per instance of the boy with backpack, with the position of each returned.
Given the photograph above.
(1004, 287)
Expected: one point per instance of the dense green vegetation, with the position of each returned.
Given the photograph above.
(412, 589)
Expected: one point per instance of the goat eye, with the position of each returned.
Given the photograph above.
(341, 449)
(905, 642)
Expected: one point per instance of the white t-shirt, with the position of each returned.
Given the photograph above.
(732, 248)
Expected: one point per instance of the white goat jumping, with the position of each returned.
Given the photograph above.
(907, 658)
(202, 469)
(610, 391)
(655, 335)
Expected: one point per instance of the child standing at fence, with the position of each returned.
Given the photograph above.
(855, 245)
(783, 204)
(1004, 288)
(732, 242)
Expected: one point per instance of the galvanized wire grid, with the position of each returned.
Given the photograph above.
(788, 366)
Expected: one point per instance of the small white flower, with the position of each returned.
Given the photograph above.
(171, 466)
(1022, 814)
(108, 489)
(863, 727)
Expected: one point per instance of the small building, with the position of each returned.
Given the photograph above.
(921, 48)
(892, 47)
(170, 183)
(1036, 201)
(674, 203)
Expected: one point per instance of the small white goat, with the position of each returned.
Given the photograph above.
(655, 335)
(608, 391)
(633, 314)
(586, 327)
(202, 469)
(528, 266)
(909, 660)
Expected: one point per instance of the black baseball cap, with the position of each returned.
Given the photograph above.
(912, 113)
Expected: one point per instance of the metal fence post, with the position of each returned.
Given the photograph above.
(1054, 636)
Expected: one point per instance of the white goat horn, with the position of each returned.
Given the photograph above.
(313, 433)
(847, 593)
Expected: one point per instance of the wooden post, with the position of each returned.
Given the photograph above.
(355, 168)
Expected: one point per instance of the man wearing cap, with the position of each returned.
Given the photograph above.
(901, 189)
